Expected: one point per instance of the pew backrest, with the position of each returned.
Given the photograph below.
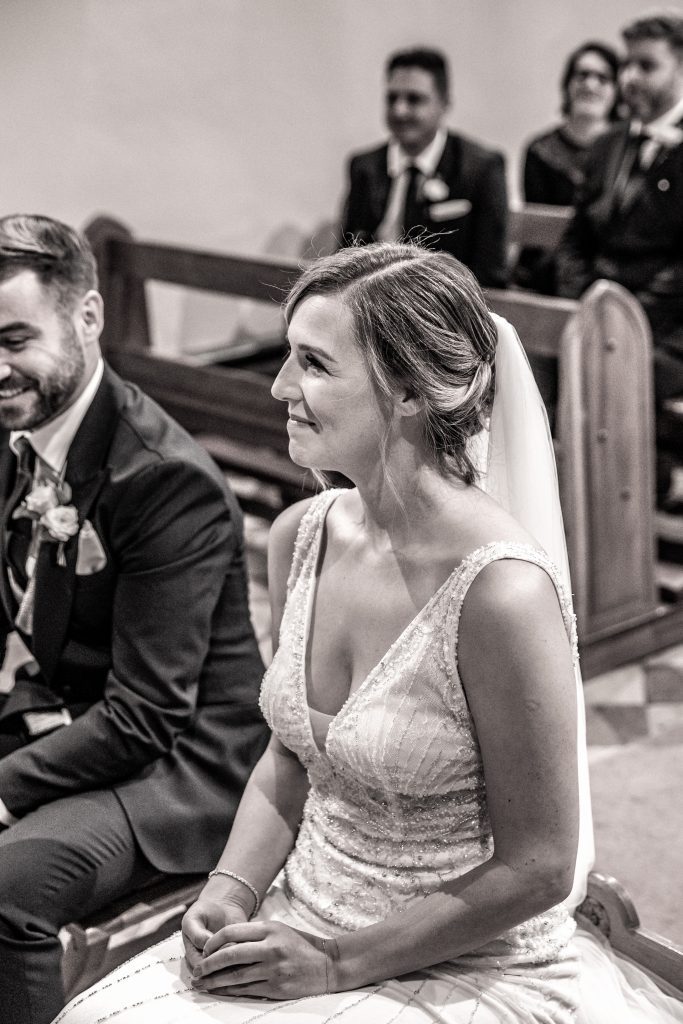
(600, 348)
(537, 225)
(603, 443)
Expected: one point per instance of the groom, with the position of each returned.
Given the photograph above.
(125, 743)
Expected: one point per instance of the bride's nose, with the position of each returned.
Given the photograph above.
(285, 386)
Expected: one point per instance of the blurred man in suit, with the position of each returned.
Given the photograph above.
(628, 225)
(426, 182)
(126, 741)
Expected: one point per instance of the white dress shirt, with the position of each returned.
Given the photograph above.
(51, 444)
(663, 131)
(398, 164)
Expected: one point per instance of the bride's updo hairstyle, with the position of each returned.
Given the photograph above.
(421, 321)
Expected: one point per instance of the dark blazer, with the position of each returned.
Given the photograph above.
(472, 173)
(153, 654)
(638, 243)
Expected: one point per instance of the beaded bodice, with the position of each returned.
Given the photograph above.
(397, 803)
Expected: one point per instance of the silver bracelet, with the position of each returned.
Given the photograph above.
(238, 878)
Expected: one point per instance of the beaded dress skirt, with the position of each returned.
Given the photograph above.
(396, 808)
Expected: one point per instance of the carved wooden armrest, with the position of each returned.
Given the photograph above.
(610, 909)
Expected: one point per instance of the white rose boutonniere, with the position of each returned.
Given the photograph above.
(435, 190)
(41, 498)
(46, 504)
(61, 522)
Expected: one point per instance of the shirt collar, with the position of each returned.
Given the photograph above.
(668, 119)
(426, 162)
(52, 441)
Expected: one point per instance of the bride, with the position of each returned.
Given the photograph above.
(412, 844)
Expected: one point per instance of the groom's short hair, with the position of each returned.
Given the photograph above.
(431, 61)
(60, 257)
(666, 26)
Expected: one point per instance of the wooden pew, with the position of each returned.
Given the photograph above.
(609, 909)
(599, 349)
(604, 445)
(537, 225)
(231, 411)
(103, 941)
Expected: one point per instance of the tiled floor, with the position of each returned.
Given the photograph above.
(634, 718)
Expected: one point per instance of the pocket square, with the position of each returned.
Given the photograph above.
(449, 210)
(91, 557)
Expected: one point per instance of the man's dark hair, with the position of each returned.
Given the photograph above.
(427, 60)
(668, 27)
(610, 58)
(60, 257)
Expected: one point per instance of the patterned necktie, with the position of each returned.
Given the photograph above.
(413, 214)
(20, 529)
(26, 464)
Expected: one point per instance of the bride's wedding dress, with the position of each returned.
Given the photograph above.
(396, 808)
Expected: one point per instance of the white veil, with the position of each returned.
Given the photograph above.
(517, 463)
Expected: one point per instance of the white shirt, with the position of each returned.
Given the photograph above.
(663, 131)
(398, 164)
(51, 443)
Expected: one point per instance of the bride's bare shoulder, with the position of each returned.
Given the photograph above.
(478, 520)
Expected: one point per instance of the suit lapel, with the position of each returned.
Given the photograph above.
(7, 474)
(650, 177)
(86, 473)
(379, 193)
(449, 167)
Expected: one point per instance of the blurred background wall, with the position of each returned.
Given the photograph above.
(226, 123)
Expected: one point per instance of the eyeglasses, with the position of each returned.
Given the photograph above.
(582, 75)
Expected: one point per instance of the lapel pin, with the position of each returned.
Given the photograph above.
(663, 185)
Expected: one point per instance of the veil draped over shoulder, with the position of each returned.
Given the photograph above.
(516, 460)
(517, 464)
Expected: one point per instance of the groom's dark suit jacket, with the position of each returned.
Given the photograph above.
(637, 241)
(154, 653)
(477, 235)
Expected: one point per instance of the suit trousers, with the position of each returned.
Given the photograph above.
(61, 862)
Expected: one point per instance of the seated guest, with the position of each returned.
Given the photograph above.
(425, 788)
(136, 724)
(628, 225)
(554, 161)
(428, 182)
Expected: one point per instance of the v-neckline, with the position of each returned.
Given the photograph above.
(308, 614)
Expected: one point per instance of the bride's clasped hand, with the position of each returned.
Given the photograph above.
(228, 954)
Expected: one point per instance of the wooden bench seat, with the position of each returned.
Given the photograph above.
(103, 941)
(610, 909)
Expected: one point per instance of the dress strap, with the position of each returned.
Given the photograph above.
(497, 550)
(307, 541)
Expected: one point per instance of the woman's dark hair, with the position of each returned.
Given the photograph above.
(610, 58)
(421, 321)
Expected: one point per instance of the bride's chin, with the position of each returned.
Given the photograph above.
(299, 457)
